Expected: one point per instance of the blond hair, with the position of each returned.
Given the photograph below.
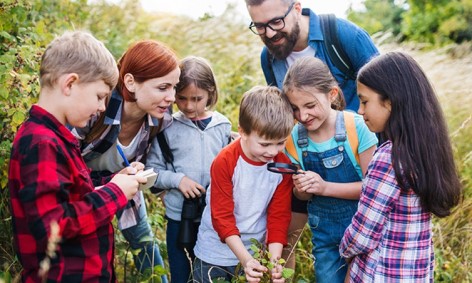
(81, 53)
(263, 110)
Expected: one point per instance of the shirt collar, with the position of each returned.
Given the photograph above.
(314, 32)
(114, 110)
(44, 117)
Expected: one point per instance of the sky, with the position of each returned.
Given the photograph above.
(196, 8)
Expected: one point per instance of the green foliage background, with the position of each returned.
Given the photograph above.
(436, 22)
(27, 26)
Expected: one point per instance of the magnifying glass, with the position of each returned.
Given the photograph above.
(282, 168)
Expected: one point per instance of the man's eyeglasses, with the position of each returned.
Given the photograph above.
(274, 24)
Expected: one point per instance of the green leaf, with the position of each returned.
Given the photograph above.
(6, 35)
(287, 273)
(136, 251)
(3, 93)
(18, 118)
(160, 270)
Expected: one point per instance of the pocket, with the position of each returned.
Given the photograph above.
(333, 161)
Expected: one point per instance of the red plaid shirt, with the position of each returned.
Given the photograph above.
(49, 181)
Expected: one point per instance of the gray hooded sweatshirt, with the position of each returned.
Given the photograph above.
(193, 150)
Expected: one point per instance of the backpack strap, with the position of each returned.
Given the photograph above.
(168, 157)
(336, 53)
(352, 133)
(165, 149)
(290, 148)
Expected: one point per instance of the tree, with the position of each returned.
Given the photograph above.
(379, 16)
(438, 21)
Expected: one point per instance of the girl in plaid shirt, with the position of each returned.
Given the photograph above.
(411, 176)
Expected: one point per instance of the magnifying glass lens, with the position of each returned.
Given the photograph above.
(282, 168)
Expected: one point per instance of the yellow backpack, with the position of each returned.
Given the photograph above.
(351, 137)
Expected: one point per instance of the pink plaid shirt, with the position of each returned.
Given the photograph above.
(390, 237)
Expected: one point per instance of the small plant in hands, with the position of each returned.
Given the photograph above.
(262, 255)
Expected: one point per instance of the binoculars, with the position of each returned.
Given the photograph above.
(192, 210)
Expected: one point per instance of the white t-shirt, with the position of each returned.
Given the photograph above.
(111, 160)
(295, 55)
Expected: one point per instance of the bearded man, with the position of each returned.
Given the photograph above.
(290, 32)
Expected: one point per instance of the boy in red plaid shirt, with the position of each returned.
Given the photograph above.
(48, 180)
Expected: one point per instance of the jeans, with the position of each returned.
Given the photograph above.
(204, 272)
(327, 230)
(141, 237)
(179, 264)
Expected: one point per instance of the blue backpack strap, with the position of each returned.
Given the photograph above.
(340, 134)
(266, 63)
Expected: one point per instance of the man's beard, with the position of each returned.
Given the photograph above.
(282, 51)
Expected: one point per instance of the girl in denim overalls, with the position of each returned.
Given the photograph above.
(331, 179)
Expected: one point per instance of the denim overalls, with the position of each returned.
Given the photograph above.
(328, 217)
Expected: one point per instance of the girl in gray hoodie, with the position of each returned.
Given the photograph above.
(195, 136)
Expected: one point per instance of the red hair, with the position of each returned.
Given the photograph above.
(147, 59)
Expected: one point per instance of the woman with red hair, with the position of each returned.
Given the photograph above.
(137, 110)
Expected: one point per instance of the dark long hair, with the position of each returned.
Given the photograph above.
(422, 153)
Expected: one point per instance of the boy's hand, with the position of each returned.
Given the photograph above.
(190, 188)
(277, 274)
(254, 270)
(129, 184)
